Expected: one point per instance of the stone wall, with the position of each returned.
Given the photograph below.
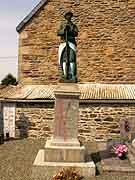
(106, 45)
(98, 122)
(34, 119)
(103, 121)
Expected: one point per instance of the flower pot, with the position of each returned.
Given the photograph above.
(123, 157)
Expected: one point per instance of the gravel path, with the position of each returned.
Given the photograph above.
(16, 159)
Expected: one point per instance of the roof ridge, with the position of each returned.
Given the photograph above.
(30, 15)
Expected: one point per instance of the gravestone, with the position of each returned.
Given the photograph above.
(127, 129)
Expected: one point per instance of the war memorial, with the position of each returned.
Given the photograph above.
(63, 150)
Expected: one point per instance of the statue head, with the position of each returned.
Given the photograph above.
(68, 15)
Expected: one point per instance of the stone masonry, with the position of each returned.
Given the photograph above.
(98, 122)
(106, 43)
(34, 119)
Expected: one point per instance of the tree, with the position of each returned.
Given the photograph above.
(9, 79)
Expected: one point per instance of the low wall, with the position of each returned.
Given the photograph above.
(98, 122)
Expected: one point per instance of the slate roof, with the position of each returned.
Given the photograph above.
(30, 15)
(88, 92)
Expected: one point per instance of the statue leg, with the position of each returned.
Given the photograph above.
(72, 70)
(64, 69)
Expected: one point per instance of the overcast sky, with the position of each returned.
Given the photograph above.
(12, 13)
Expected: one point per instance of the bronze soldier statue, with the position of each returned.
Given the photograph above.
(67, 49)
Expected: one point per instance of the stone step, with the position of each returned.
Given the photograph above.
(45, 170)
(63, 153)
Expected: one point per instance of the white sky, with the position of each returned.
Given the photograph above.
(12, 13)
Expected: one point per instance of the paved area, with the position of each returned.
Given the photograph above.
(16, 159)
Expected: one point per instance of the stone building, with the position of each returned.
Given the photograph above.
(106, 45)
(105, 63)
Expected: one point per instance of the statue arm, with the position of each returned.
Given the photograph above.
(61, 30)
(76, 31)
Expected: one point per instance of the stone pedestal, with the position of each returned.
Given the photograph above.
(63, 149)
(68, 153)
(46, 170)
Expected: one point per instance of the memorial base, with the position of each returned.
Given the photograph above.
(47, 170)
(64, 153)
(63, 150)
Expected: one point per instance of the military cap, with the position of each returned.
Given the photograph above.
(67, 13)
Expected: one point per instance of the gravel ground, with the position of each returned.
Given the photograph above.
(16, 159)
